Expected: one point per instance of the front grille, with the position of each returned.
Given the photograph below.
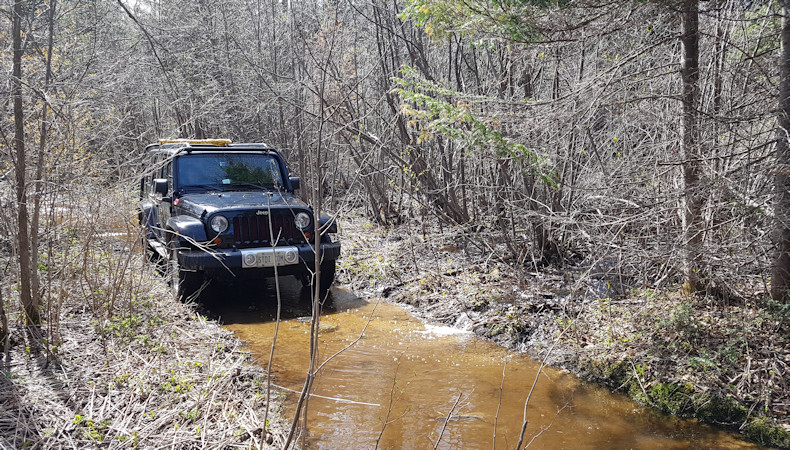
(254, 230)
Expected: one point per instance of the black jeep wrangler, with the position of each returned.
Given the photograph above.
(213, 209)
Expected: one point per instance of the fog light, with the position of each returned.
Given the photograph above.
(290, 256)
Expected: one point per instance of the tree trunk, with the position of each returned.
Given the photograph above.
(692, 194)
(4, 332)
(35, 281)
(22, 237)
(780, 279)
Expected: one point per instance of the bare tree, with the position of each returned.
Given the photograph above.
(780, 280)
(4, 331)
(23, 242)
(692, 193)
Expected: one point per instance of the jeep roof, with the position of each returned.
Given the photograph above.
(174, 146)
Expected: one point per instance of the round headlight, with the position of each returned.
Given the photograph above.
(302, 220)
(219, 224)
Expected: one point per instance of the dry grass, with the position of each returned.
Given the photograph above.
(161, 376)
(118, 363)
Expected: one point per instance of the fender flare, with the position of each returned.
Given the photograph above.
(187, 229)
(148, 216)
(328, 224)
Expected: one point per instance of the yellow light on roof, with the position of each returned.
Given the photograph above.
(217, 142)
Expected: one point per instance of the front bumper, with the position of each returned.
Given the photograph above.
(229, 262)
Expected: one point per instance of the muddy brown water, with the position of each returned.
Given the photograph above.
(399, 383)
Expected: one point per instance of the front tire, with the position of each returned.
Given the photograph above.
(184, 284)
(327, 277)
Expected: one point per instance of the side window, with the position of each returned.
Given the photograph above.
(150, 183)
(169, 174)
(154, 173)
(145, 182)
(157, 160)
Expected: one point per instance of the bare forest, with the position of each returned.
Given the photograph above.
(637, 146)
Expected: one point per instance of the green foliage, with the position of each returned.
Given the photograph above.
(720, 410)
(510, 19)
(668, 398)
(685, 401)
(124, 327)
(177, 385)
(133, 328)
(681, 319)
(512, 324)
(777, 310)
(765, 432)
(192, 414)
(430, 114)
(93, 431)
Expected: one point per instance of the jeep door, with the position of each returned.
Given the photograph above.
(149, 217)
(165, 202)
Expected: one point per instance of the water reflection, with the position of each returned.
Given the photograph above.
(399, 383)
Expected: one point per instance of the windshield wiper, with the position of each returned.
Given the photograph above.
(209, 187)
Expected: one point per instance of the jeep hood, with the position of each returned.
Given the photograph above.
(199, 204)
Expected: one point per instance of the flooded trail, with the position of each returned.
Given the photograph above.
(397, 386)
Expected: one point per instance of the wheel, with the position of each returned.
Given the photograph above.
(150, 255)
(327, 275)
(146, 248)
(327, 269)
(184, 284)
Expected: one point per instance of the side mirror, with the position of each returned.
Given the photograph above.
(160, 186)
(296, 182)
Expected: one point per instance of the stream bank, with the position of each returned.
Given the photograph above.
(724, 363)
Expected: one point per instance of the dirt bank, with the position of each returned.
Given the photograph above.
(726, 363)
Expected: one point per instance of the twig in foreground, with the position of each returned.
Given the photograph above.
(447, 419)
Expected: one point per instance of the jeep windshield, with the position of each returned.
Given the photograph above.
(227, 171)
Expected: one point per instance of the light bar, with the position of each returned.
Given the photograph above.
(217, 142)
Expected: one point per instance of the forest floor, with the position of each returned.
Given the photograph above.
(725, 363)
(150, 370)
(144, 373)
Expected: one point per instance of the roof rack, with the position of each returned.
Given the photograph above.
(175, 146)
